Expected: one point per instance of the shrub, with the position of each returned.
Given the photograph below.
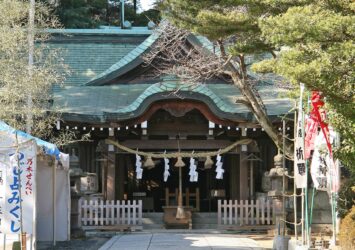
(347, 231)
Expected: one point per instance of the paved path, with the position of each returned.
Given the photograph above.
(179, 241)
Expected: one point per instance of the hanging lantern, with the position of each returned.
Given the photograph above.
(208, 162)
(149, 163)
(179, 162)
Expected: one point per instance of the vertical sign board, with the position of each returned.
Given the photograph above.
(323, 168)
(10, 210)
(299, 160)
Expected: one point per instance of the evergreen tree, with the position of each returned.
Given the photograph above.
(26, 91)
(233, 27)
(81, 13)
(92, 13)
(316, 47)
(309, 41)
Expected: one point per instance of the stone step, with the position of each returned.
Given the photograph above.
(152, 221)
(204, 215)
(204, 220)
(199, 221)
(153, 215)
(153, 226)
(204, 226)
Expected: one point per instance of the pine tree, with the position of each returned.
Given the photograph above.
(233, 27)
(308, 41)
(85, 14)
(316, 46)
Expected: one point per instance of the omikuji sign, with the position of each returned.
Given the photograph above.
(15, 166)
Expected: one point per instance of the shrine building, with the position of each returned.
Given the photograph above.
(113, 94)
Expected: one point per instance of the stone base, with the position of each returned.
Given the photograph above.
(281, 242)
(296, 245)
(171, 221)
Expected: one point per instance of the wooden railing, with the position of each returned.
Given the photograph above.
(244, 213)
(110, 214)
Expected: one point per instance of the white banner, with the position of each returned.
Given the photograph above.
(299, 160)
(323, 169)
(10, 202)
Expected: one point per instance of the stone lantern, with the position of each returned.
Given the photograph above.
(276, 176)
(75, 173)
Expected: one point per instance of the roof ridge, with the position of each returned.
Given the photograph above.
(171, 86)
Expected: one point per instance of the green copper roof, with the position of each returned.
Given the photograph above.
(89, 52)
(98, 56)
(125, 64)
(122, 102)
(87, 60)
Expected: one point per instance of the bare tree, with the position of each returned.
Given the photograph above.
(173, 55)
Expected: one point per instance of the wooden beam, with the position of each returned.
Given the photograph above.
(172, 144)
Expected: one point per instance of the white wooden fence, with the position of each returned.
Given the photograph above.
(109, 213)
(244, 213)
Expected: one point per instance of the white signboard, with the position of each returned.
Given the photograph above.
(323, 169)
(299, 160)
(16, 165)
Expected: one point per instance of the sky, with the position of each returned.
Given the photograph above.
(146, 4)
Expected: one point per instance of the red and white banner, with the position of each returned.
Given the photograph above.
(321, 164)
(15, 166)
(323, 168)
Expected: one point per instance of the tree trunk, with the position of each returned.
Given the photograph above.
(135, 6)
(260, 114)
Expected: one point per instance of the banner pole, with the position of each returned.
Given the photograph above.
(22, 234)
(283, 178)
(4, 242)
(54, 203)
(294, 181)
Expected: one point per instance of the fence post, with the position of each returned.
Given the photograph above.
(263, 212)
(107, 212)
(118, 211)
(91, 203)
(230, 208)
(241, 218)
(123, 215)
(246, 212)
(129, 207)
(236, 212)
(96, 212)
(219, 214)
(252, 208)
(134, 215)
(102, 212)
(225, 210)
(257, 212)
(140, 208)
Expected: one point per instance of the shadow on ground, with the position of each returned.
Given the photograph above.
(92, 243)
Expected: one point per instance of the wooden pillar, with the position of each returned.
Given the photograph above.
(120, 176)
(251, 185)
(234, 176)
(111, 173)
(243, 177)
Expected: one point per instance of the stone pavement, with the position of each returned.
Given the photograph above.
(179, 241)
